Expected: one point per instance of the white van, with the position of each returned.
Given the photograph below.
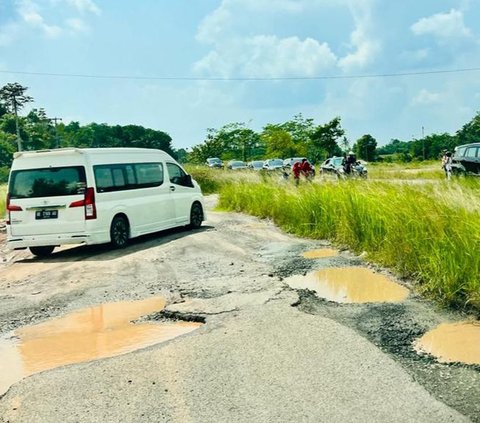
(96, 195)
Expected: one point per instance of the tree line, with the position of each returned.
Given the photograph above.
(298, 137)
(37, 131)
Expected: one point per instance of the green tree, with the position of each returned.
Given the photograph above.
(280, 144)
(13, 98)
(470, 132)
(324, 139)
(365, 147)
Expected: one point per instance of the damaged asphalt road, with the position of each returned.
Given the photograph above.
(266, 352)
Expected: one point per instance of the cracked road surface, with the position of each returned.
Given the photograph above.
(259, 357)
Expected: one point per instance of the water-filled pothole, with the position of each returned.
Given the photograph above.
(320, 253)
(452, 342)
(350, 285)
(84, 335)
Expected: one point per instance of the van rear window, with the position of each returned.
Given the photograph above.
(48, 182)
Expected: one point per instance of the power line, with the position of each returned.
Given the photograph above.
(286, 78)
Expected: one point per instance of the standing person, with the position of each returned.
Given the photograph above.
(350, 161)
(447, 164)
(297, 170)
(307, 169)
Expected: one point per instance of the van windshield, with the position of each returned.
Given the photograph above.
(48, 182)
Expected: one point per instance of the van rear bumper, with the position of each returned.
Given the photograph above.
(18, 242)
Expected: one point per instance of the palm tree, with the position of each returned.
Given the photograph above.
(13, 97)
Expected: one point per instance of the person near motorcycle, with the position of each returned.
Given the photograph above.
(301, 168)
(350, 161)
(307, 169)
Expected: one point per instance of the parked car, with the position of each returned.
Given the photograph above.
(273, 164)
(288, 163)
(214, 162)
(236, 165)
(466, 159)
(331, 165)
(255, 165)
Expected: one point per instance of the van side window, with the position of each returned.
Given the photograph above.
(178, 176)
(149, 174)
(118, 177)
(103, 178)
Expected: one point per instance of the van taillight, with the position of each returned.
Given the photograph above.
(11, 207)
(90, 209)
(89, 203)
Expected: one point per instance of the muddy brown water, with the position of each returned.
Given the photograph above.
(84, 335)
(320, 253)
(452, 342)
(350, 285)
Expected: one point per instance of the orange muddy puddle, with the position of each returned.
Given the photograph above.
(350, 285)
(321, 253)
(452, 342)
(84, 335)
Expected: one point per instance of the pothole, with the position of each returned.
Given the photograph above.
(84, 335)
(350, 285)
(320, 253)
(452, 342)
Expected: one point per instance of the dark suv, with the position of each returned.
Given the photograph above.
(466, 159)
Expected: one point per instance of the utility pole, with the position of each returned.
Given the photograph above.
(17, 129)
(54, 120)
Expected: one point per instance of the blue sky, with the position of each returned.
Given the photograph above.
(129, 50)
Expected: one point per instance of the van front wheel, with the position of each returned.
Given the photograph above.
(42, 251)
(119, 232)
(196, 216)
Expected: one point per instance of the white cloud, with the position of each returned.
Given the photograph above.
(29, 13)
(84, 6)
(268, 56)
(238, 50)
(365, 43)
(77, 25)
(214, 25)
(443, 25)
(49, 17)
(426, 98)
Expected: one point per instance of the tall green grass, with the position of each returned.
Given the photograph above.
(3, 197)
(429, 233)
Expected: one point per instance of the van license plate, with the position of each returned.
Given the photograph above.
(46, 214)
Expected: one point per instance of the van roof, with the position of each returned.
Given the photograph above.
(86, 151)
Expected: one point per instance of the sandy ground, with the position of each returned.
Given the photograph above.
(267, 353)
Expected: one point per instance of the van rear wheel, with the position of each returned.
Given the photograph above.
(196, 216)
(42, 251)
(119, 232)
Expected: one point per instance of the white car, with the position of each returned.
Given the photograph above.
(273, 164)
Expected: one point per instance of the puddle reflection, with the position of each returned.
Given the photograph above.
(452, 342)
(84, 335)
(350, 285)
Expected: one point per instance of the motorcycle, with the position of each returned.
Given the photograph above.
(357, 171)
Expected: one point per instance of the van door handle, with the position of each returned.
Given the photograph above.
(172, 188)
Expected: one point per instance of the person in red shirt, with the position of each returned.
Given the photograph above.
(297, 171)
(307, 169)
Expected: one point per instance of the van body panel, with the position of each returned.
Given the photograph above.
(47, 195)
